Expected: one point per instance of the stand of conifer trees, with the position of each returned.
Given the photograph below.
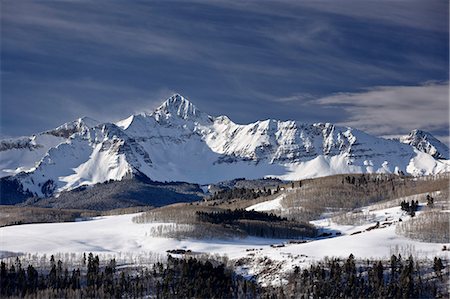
(241, 193)
(410, 208)
(335, 278)
(229, 216)
(178, 278)
(259, 224)
(192, 278)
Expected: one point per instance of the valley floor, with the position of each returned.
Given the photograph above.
(119, 235)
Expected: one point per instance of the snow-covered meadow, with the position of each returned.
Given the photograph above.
(119, 235)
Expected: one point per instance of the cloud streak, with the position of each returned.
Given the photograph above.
(429, 15)
(392, 110)
(249, 60)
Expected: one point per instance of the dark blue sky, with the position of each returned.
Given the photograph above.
(381, 66)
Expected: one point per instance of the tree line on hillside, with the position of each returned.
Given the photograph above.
(242, 193)
(196, 278)
(229, 216)
(428, 226)
(14, 215)
(177, 278)
(334, 278)
(259, 224)
(195, 221)
(347, 192)
(365, 179)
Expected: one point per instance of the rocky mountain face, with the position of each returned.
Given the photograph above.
(427, 143)
(178, 142)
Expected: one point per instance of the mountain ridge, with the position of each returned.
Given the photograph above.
(179, 142)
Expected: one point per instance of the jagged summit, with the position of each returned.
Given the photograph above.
(88, 121)
(175, 112)
(81, 124)
(427, 143)
(84, 121)
(178, 105)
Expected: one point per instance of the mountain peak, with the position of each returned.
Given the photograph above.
(419, 133)
(81, 124)
(177, 105)
(87, 121)
(427, 143)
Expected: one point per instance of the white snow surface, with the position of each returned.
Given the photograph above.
(119, 234)
(178, 142)
(270, 205)
(116, 235)
(22, 154)
(110, 234)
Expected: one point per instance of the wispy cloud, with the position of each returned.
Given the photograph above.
(90, 28)
(240, 58)
(393, 110)
(298, 98)
(429, 15)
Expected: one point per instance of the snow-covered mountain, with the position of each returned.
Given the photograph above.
(23, 154)
(178, 142)
(426, 143)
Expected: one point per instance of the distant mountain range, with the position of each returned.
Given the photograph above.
(178, 142)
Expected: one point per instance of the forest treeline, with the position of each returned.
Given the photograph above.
(203, 278)
(14, 215)
(177, 278)
(258, 224)
(196, 221)
(397, 278)
(428, 226)
(230, 216)
(348, 192)
(241, 193)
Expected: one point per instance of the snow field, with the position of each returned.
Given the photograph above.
(270, 205)
(115, 234)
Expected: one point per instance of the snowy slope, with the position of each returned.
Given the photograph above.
(178, 142)
(97, 155)
(117, 235)
(270, 205)
(22, 154)
(120, 234)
